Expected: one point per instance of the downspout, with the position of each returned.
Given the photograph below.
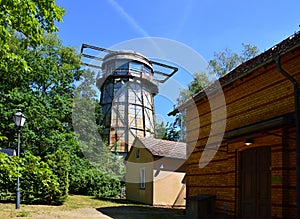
(236, 183)
(296, 99)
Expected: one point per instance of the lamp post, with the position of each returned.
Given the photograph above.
(19, 120)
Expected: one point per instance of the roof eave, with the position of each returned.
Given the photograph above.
(200, 95)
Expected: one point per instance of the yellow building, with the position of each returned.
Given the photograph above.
(155, 173)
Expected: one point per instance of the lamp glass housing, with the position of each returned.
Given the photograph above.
(19, 118)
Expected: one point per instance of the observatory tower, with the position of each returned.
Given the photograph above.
(128, 82)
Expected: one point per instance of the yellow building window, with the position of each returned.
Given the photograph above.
(142, 178)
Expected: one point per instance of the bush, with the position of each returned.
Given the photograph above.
(105, 186)
(78, 168)
(85, 179)
(50, 181)
(38, 182)
(8, 177)
(59, 162)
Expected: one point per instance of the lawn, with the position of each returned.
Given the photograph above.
(79, 206)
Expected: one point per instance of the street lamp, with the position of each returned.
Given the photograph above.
(19, 120)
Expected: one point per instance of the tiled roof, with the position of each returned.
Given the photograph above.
(164, 148)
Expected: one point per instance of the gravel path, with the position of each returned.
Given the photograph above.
(86, 213)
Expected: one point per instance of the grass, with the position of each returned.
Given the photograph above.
(81, 201)
(22, 214)
(78, 206)
(75, 202)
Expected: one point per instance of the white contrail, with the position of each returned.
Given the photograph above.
(135, 25)
(129, 19)
(185, 13)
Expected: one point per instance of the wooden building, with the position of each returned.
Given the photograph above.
(259, 179)
(154, 172)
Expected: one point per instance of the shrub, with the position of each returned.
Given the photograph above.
(85, 179)
(59, 163)
(77, 172)
(105, 186)
(8, 177)
(38, 183)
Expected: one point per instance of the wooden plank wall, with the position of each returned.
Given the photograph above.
(261, 95)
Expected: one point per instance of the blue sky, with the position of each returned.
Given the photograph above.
(207, 26)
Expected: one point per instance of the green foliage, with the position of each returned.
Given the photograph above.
(173, 131)
(85, 179)
(38, 183)
(107, 162)
(8, 176)
(176, 130)
(52, 160)
(77, 172)
(160, 130)
(200, 82)
(104, 185)
(22, 214)
(227, 60)
(222, 63)
(29, 18)
(169, 132)
(87, 115)
(59, 163)
(45, 95)
(103, 165)
(3, 138)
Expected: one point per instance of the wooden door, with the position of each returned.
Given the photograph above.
(255, 183)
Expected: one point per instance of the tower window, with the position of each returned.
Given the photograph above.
(136, 66)
(122, 68)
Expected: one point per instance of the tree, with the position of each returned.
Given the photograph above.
(176, 130)
(199, 83)
(86, 123)
(30, 19)
(227, 60)
(45, 94)
(222, 63)
(160, 129)
(170, 131)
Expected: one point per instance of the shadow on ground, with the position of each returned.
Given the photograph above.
(142, 212)
(119, 201)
